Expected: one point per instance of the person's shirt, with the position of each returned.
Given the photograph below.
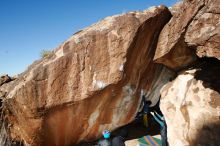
(146, 107)
(104, 142)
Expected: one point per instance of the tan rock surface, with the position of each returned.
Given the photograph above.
(203, 32)
(3, 80)
(191, 106)
(194, 28)
(92, 82)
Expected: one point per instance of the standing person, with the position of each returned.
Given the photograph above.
(106, 141)
(163, 127)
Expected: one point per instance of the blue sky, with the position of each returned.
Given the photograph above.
(29, 26)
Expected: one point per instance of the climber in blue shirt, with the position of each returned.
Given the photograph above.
(106, 141)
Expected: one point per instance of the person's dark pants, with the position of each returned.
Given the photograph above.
(118, 141)
(163, 132)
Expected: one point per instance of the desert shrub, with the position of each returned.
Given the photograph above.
(45, 53)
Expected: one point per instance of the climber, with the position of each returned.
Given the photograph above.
(106, 141)
(163, 127)
(144, 111)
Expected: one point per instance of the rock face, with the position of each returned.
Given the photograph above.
(92, 82)
(3, 80)
(191, 103)
(204, 30)
(191, 106)
(193, 29)
(95, 79)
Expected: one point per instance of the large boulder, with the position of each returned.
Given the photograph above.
(92, 82)
(191, 103)
(191, 106)
(194, 30)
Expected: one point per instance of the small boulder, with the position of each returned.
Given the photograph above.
(5, 79)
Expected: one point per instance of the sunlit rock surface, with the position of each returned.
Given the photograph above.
(193, 29)
(191, 103)
(191, 106)
(92, 82)
(203, 32)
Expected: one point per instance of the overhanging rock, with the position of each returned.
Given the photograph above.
(91, 82)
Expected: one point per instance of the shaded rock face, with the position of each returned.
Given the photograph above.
(92, 82)
(191, 106)
(192, 31)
